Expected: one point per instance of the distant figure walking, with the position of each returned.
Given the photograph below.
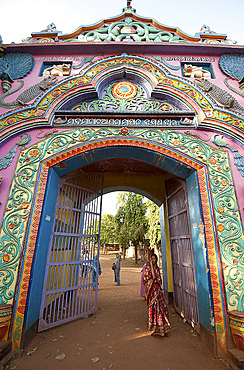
(142, 290)
(85, 265)
(117, 269)
(95, 269)
(158, 320)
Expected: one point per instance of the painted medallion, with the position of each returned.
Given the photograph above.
(124, 90)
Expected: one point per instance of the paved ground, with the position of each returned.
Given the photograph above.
(116, 337)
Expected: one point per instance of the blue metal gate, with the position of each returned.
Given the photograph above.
(184, 280)
(70, 286)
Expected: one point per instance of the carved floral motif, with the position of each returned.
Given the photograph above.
(173, 84)
(166, 142)
(229, 227)
(128, 30)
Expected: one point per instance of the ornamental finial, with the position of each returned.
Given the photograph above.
(129, 7)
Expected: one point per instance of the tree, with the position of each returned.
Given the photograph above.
(131, 220)
(121, 222)
(154, 234)
(108, 230)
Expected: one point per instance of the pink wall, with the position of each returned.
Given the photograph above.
(34, 77)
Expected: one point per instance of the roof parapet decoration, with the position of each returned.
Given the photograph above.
(127, 27)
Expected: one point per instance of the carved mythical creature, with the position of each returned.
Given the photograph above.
(220, 95)
(193, 134)
(232, 88)
(15, 65)
(206, 29)
(85, 61)
(46, 134)
(50, 28)
(195, 71)
(29, 94)
(57, 70)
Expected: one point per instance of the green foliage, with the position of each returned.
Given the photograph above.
(131, 223)
(108, 230)
(131, 220)
(154, 234)
(121, 221)
(2, 48)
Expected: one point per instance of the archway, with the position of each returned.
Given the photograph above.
(130, 171)
(173, 161)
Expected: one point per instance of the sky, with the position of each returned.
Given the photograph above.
(109, 203)
(20, 18)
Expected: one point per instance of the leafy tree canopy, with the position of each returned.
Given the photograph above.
(131, 220)
(108, 230)
(153, 234)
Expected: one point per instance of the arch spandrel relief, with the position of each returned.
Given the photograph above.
(208, 114)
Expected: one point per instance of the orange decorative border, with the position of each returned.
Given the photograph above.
(219, 304)
(28, 258)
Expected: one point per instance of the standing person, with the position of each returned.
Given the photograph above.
(95, 269)
(85, 257)
(142, 290)
(117, 269)
(158, 314)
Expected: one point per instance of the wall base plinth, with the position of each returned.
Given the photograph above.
(5, 318)
(237, 328)
(236, 357)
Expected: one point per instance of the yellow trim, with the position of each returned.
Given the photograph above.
(167, 243)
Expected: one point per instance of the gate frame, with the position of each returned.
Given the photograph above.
(212, 247)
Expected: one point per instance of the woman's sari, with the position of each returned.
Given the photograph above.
(158, 313)
(142, 290)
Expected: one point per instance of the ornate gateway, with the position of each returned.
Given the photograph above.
(146, 107)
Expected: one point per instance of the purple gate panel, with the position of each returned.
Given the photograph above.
(70, 283)
(184, 280)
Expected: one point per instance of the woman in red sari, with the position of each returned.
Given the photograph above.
(158, 313)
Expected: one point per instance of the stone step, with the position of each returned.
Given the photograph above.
(5, 348)
(11, 356)
(236, 356)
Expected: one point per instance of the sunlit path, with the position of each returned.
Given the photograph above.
(116, 337)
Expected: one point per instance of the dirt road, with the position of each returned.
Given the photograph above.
(116, 337)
